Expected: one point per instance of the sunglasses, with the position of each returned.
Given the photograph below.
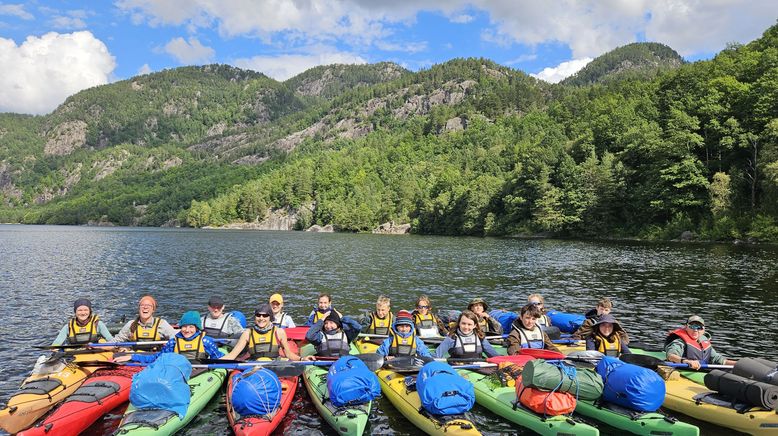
(262, 315)
(536, 303)
(422, 307)
(696, 326)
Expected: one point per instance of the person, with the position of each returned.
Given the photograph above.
(84, 327)
(322, 310)
(264, 339)
(605, 337)
(525, 333)
(332, 335)
(604, 307)
(488, 325)
(146, 327)
(544, 321)
(190, 341)
(280, 318)
(218, 324)
(380, 321)
(467, 340)
(426, 323)
(691, 344)
(402, 340)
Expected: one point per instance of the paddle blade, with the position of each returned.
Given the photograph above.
(374, 361)
(519, 359)
(643, 360)
(541, 353)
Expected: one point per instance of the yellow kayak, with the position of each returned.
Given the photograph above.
(49, 384)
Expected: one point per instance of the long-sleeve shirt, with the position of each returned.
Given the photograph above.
(166, 331)
(210, 347)
(449, 343)
(678, 346)
(231, 327)
(350, 327)
(386, 346)
(102, 330)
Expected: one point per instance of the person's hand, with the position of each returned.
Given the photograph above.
(693, 364)
(485, 315)
(122, 359)
(389, 357)
(309, 358)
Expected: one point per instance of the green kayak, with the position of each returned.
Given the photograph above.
(345, 420)
(142, 422)
(502, 401)
(635, 422)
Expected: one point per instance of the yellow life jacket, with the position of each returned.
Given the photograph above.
(263, 344)
(426, 325)
(403, 346)
(78, 335)
(192, 349)
(380, 326)
(606, 347)
(144, 334)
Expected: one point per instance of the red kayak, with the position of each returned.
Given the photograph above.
(100, 393)
(262, 425)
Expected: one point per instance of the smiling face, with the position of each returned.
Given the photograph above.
(606, 328)
(382, 310)
(188, 330)
(145, 309)
(695, 330)
(528, 321)
(330, 325)
(82, 313)
(262, 320)
(215, 312)
(404, 328)
(324, 302)
(477, 308)
(276, 306)
(466, 325)
(423, 306)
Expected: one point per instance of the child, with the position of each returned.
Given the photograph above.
(540, 303)
(427, 325)
(605, 337)
(380, 321)
(604, 307)
(403, 341)
(525, 333)
(321, 310)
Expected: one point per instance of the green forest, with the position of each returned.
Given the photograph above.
(638, 144)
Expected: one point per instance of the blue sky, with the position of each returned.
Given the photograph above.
(52, 49)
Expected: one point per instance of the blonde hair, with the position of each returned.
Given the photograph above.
(383, 301)
(426, 299)
(605, 303)
(537, 296)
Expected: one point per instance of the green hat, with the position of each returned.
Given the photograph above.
(697, 319)
(191, 318)
(477, 301)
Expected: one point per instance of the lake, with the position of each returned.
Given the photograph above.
(654, 286)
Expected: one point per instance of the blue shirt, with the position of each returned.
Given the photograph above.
(449, 343)
(208, 344)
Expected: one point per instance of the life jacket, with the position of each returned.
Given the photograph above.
(608, 347)
(694, 350)
(278, 319)
(263, 344)
(318, 315)
(483, 323)
(403, 346)
(380, 326)
(144, 334)
(335, 344)
(215, 332)
(192, 349)
(544, 320)
(466, 346)
(426, 325)
(530, 338)
(78, 335)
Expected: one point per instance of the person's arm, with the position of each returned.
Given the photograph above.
(442, 328)
(717, 358)
(514, 343)
(351, 327)
(239, 346)
(591, 346)
(585, 330)
(313, 335)
(124, 333)
(211, 348)
(494, 326)
(311, 317)
(166, 331)
(488, 349)
(61, 336)
(444, 346)
(287, 322)
(547, 344)
(386, 345)
(421, 348)
(365, 321)
(674, 350)
(281, 337)
(103, 331)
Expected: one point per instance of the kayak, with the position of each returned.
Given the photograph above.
(501, 400)
(50, 383)
(100, 393)
(639, 423)
(203, 385)
(261, 425)
(394, 387)
(695, 376)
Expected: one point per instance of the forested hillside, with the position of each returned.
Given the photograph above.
(636, 144)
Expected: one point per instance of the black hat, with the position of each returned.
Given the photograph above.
(216, 301)
(82, 302)
(263, 309)
(334, 317)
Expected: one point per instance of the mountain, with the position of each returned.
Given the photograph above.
(637, 60)
(466, 147)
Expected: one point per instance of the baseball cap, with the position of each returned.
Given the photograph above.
(695, 318)
(216, 301)
(277, 297)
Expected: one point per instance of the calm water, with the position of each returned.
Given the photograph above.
(43, 269)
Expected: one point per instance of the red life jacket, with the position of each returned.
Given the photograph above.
(694, 350)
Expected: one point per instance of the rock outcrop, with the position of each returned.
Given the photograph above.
(319, 229)
(391, 228)
(65, 138)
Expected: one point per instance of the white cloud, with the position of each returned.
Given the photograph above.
(522, 58)
(462, 18)
(41, 72)
(189, 52)
(145, 69)
(67, 23)
(408, 47)
(286, 66)
(565, 69)
(16, 11)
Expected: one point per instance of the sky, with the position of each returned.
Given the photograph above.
(52, 49)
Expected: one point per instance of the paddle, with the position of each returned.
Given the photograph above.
(652, 362)
(114, 344)
(370, 335)
(282, 369)
(374, 361)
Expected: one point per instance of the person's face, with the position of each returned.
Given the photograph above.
(694, 330)
(404, 328)
(382, 310)
(537, 303)
(423, 307)
(82, 313)
(262, 320)
(606, 328)
(528, 321)
(215, 311)
(330, 325)
(145, 310)
(276, 306)
(188, 331)
(324, 303)
(477, 308)
(466, 325)
(603, 310)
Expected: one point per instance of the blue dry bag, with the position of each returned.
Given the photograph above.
(350, 382)
(442, 391)
(237, 314)
(163, 385)
(567, 322)
(631, 386)
(504, 317)
(256, 393)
